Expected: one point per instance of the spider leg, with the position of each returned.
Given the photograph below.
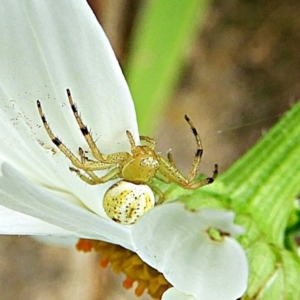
(85, 132)
(170, 158)
(142, 138)
(106, 161)
(112, 160)
(83, 158)
(168, 173)
(148, 140)
(208, 180)
(89, 162)
(162, 177)
(157, 191)
(131, 140)
(198, 154)
(57, 141)
(197, 159)
(93, 179)
(88, 179)
(81, 164)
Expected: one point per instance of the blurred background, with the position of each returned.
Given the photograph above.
(233, 66)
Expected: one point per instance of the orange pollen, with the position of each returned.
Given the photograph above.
(128, 283)
(84, 245)
(103, 263)
(139, 290)
(129, 263)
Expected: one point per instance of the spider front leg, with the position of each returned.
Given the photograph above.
(84, 163)
(85, 132)
(56, 141)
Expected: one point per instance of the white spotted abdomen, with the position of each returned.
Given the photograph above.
(125, 202)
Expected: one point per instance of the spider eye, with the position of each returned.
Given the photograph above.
(125, 202)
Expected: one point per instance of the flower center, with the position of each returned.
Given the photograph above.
(126, 261)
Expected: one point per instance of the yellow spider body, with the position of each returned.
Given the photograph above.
(141, 166)
(137, 168)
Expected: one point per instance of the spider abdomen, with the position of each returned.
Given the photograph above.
(125, 202)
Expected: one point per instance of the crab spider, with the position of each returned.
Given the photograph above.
(138, 167)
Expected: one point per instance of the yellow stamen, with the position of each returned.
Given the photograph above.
(127, 262)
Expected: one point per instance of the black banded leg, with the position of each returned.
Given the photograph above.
(199, 152)
(83, 163)
(85, 132)
(56, 141)
(215, 173)
(206, 181)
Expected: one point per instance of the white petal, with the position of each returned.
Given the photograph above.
(48, 46)
(174, 294)
(12, 222)
(175, 241)
(20, 195)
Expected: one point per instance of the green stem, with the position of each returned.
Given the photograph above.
(266, 181)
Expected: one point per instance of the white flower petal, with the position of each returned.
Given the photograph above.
(175, 241)
(48, 46)
(67, 47)
(20, 195)
(174, 294)
(12, 222)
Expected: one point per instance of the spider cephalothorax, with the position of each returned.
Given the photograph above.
(139, 166)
